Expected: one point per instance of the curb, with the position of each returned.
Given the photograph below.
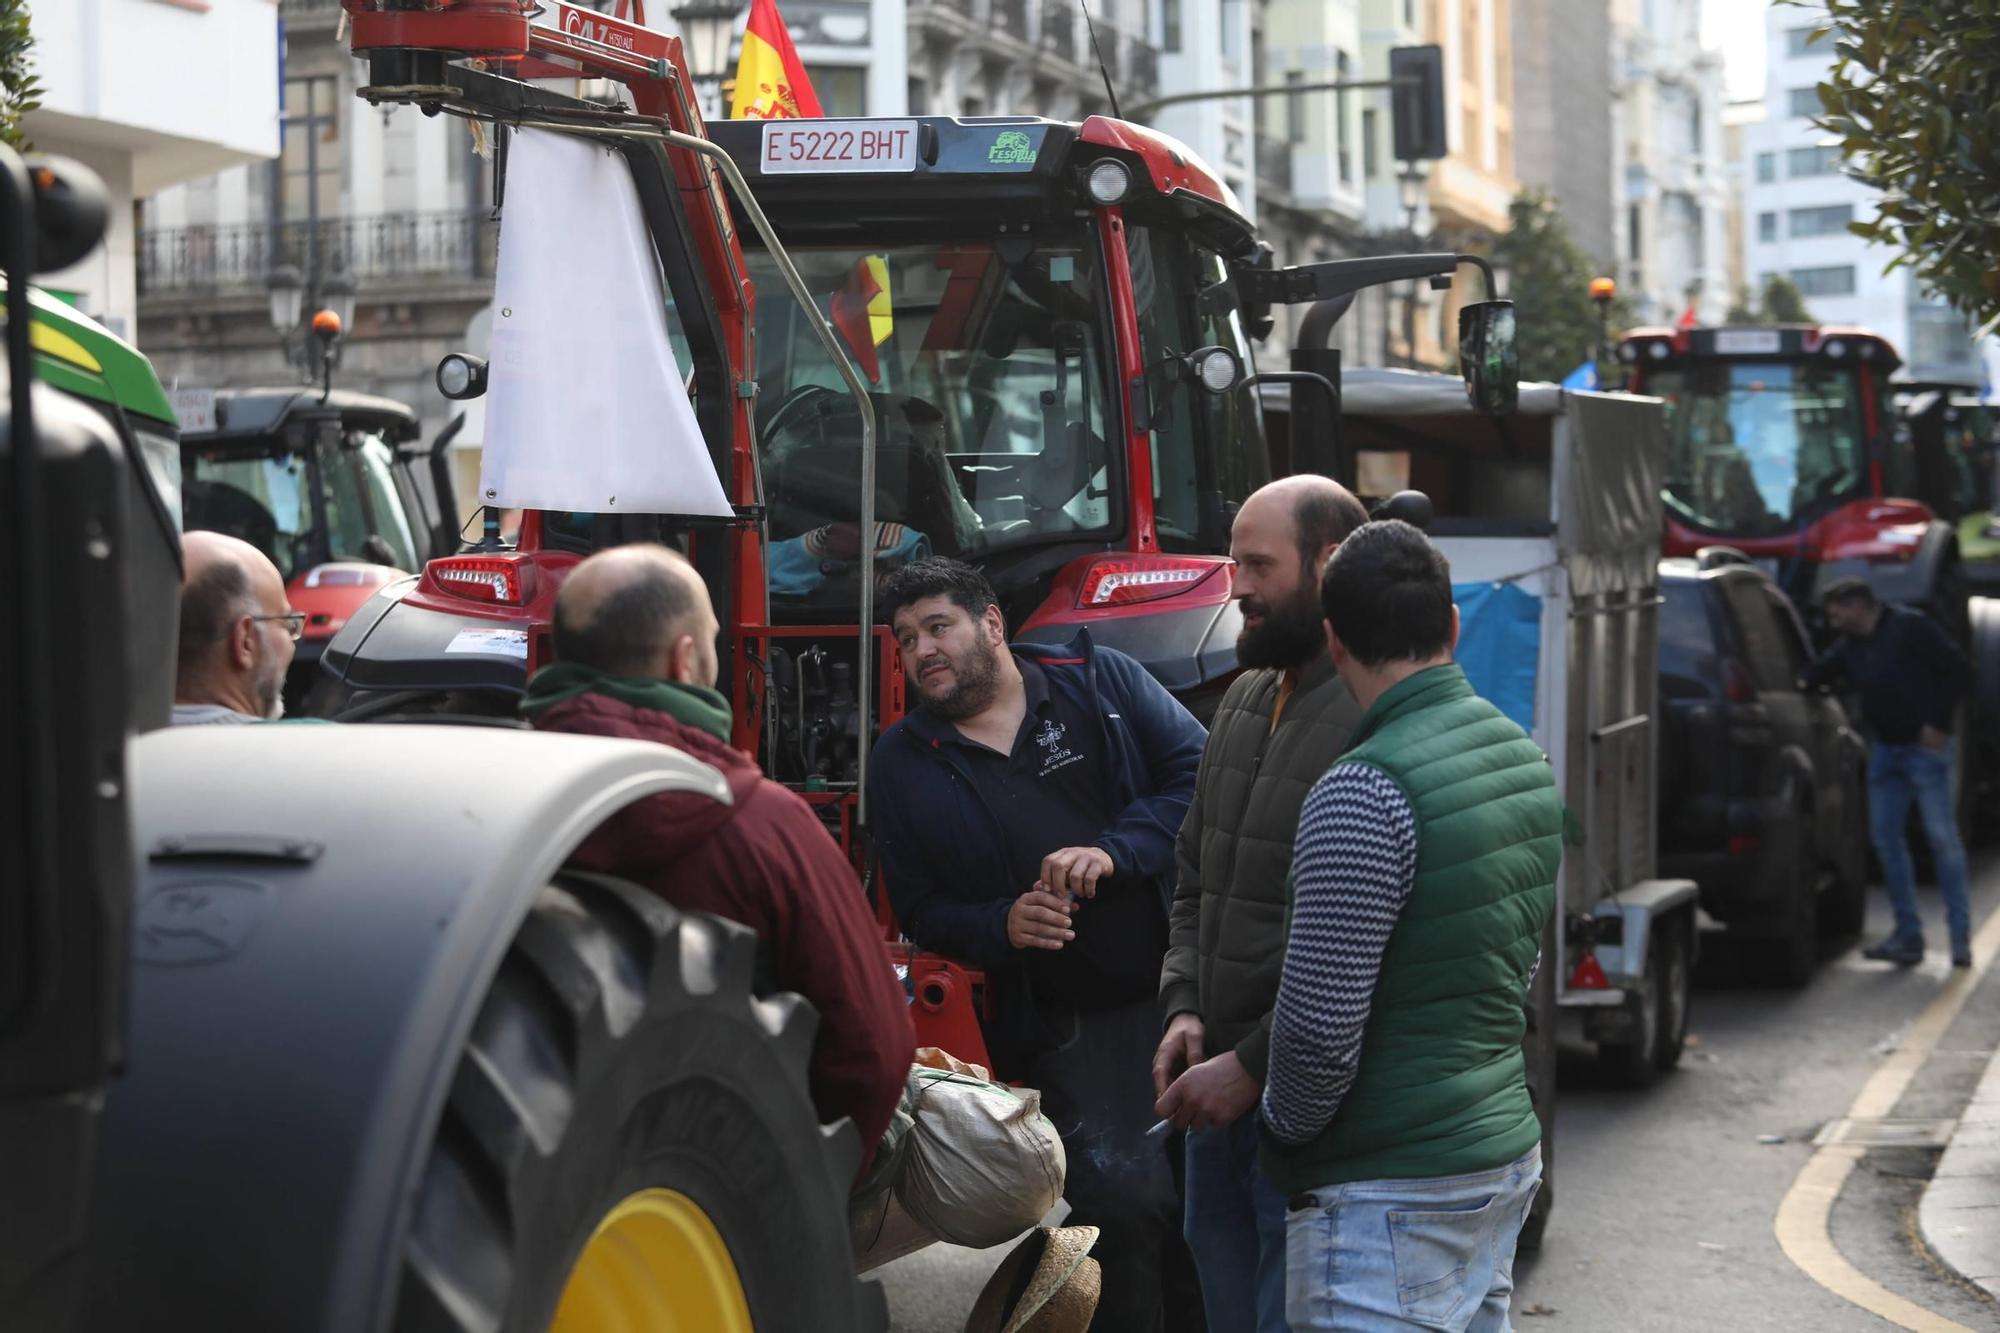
(1960, 1212)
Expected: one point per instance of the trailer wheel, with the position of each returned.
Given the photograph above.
(629, 1141)
(1662, 1011)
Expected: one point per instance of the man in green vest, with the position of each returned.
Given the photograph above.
(1395, 1112)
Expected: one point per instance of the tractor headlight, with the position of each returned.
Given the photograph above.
(1108, 181)
(460, 376)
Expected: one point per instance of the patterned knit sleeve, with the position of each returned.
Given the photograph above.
(1352, 868)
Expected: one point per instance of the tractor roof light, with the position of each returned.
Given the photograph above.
(1835, 349)
(1109, 181)
(461, 376)
(1657, 349)
(1122, 580)
(1628, 353)
(1216, 368)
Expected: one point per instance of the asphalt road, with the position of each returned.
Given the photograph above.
(1667, 1197)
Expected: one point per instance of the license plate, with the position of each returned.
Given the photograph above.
(1745, 342)
(805, 147)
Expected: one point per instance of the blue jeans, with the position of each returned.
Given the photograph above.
(1235, 1225)
(1400, 1254)
(1896, 773)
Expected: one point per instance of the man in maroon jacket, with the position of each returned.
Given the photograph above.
(635, 647)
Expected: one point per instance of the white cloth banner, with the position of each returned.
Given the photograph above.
(586, 409)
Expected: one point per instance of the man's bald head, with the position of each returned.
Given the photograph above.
(234, 648)
(638, 611)
(1321, 510)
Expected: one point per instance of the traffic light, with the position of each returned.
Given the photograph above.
(1416, 103)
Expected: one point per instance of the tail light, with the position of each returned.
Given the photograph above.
(1743, 845)
(1123, 580)
(1736, 685)
(480, 578)
(1588, 974)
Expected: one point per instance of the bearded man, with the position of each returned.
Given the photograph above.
(1025, 814)
(237, 634)
(1282, 724)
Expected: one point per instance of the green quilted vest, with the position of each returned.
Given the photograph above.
(1440, 1090)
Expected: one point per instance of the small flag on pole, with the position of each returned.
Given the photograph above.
(1583, 377)
(771, 80)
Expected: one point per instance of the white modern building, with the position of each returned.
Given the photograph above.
(1674, 190)
(1798, 204)
(148, 93)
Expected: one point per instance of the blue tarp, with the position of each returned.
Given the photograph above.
(1499, 645)
(1583, 377)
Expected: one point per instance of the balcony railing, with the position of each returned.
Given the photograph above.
(1142, 63)
(1059, 29)
(394, 247)
(1274, 162)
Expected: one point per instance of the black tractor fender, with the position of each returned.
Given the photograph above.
(320, 911)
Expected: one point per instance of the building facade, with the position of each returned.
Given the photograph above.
(1563, 94)
(147, 94)
(1674, 192)
(1797, 207)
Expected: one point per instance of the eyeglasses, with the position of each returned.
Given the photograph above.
(293, 621)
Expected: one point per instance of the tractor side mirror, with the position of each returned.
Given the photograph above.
(1488, 357)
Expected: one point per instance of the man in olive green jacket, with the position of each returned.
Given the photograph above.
(1282, 723)
(1396, 1099)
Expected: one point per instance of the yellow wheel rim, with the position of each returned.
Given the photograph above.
(655, 1264)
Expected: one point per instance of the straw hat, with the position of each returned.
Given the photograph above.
(1061, 1295)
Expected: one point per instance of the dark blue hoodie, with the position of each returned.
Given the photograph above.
(942, 849)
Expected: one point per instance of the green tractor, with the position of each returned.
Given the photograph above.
(293, 1038)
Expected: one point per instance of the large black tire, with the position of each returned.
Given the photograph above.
(619, 1050)
(1538, 1047)
(1662, 1016)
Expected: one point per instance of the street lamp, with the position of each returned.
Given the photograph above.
(1410, 183)
(707, 28)
(288, 296)
(312, 342)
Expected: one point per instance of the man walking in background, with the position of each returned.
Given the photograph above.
(1284, 721)
(1396, 1101)
(1910, 677)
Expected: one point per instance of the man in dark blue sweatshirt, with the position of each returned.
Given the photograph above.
(1025, 814)
(1910, 677)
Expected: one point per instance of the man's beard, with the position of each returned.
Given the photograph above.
(1290, 634)
(977, 681)
(271, 694)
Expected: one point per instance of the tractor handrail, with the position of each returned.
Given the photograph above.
(648, 128)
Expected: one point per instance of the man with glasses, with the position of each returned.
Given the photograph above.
(237, 634)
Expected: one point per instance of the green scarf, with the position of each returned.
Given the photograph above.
(696, 705)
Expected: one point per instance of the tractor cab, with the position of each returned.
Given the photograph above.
(326, 485)
(1942, 452)
(1782, 442)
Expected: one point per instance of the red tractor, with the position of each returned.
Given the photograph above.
(1786, 444)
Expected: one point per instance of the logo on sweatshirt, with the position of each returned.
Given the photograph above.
(1055, 754)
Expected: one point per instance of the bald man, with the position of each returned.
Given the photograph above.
(1281, 725)
(237, 634)
(635, 647)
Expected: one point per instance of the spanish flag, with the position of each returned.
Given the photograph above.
(771, 82)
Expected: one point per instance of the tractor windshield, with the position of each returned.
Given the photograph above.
(1758, 447)
(987, 373)
(347, 508)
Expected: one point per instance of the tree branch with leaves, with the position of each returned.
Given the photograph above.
(1548, 280)
(20, 91)
(1914, 95)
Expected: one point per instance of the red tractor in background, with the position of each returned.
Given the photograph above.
(1785, 444)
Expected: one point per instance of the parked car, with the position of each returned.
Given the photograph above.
(1763, 783)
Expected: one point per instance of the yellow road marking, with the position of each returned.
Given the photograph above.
(1803, 1216)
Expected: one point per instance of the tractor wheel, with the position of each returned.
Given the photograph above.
(629, 1141)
